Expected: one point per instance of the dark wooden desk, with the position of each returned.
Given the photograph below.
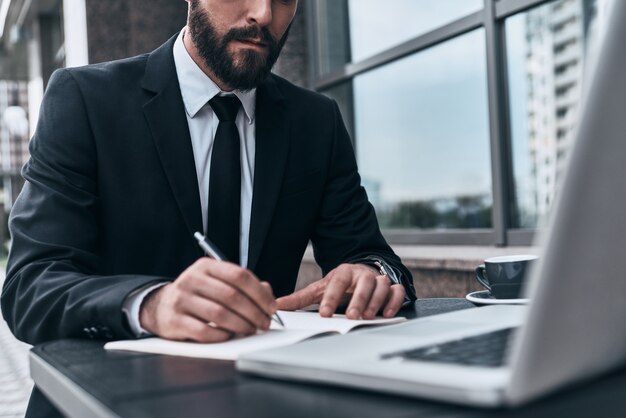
(82, 380)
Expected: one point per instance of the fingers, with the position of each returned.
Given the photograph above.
(396, 298)
(378, 298)
(243, 280)
(304, 297)
(369, 293)
(363, 293)
(222, 294)
(209, 311)
(338, 285)
(183, 327)
(228, 297)
(190, 328)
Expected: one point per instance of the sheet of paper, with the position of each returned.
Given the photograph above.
(229, 350)
(298, 327)
(338, 323)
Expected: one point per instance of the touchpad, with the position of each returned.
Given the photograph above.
(419, 328)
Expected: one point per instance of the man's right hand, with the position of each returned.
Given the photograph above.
(210, 301)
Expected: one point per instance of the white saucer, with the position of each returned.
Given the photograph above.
(483, 297)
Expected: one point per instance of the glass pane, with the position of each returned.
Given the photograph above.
(547, 48)
(376, 25)
(334, 34)
(343, 95)
(356, 29)
(422, 137)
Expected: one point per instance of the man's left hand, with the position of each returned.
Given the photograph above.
(360, 286)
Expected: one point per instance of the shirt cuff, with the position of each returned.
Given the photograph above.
(132, 305)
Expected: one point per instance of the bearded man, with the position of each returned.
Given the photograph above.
(131, 157)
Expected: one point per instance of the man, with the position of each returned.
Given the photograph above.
(130, 159)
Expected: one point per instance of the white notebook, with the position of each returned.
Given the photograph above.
(299, 326)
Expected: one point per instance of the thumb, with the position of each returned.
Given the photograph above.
(303, 297)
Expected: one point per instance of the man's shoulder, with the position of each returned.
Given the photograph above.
(297, 94)
(110, 72)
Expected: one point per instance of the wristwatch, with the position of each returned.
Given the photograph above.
(383, 268)
(386, 269)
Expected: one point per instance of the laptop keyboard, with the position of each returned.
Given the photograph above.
(484, 350)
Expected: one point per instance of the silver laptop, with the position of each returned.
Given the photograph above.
(572, 330)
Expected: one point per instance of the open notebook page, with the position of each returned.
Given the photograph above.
(337, 323)
(298, 327)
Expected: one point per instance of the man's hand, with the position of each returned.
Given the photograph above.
(210, 301)
(361, 285)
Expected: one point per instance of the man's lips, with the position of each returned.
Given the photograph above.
(254, 42)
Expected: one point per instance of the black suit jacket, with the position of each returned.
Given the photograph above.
(111, 197)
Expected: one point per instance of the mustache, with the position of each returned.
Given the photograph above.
(250, 32)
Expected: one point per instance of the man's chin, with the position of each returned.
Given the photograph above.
(244, 55)
(247, 69)
(250, 62)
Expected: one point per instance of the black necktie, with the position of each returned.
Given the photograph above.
(225, 179)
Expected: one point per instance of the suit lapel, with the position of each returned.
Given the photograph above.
(165, 114)
(272, 149)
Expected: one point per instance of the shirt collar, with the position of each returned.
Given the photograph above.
(197, 88)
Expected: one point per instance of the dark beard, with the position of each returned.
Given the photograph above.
(253, 67)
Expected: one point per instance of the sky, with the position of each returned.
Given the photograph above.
(422, 122)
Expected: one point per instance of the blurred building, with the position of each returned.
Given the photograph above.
(556, 39)
(39, 36)
(14, 134)
(560, 40)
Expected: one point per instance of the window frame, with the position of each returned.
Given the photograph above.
(492, 18)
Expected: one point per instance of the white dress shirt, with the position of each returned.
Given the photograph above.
(197, 89)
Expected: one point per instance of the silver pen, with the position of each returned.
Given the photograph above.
(210, 249)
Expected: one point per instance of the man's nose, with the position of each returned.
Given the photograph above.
(260, 12)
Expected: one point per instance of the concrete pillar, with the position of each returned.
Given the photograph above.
(75, 31)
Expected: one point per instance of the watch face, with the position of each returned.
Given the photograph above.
(381, 268)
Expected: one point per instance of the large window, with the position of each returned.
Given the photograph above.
(462, 112)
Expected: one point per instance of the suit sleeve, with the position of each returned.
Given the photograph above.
(53, 289)
(347, 229)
